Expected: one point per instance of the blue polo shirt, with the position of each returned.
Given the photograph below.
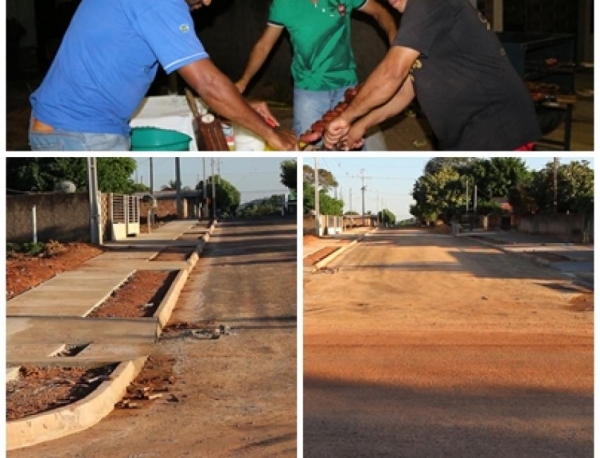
(109, 57)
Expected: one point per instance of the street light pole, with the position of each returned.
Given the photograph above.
(317, 216)
(363, 188)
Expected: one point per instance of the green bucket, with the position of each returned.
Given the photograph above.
(154, 139)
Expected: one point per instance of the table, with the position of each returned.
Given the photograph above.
(167, 112)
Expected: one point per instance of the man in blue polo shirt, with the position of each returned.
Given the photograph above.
(106, 62)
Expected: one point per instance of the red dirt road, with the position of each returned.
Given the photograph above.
(425, 345)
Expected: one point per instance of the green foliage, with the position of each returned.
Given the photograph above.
(227, 195)
(438, 195)
(575, 188)
(40, 174)
(447, 183)
(326, 178)
(270, 206)
(327, 204)
(31, 248)
(289, 176)
(386, 217)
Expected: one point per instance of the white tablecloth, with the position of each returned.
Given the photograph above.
(167, 112)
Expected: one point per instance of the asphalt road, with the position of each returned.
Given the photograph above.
(236, 395)
(426, 345)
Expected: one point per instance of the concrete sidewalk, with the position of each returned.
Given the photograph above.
(331, 246)
(44, 320)
(573, 259)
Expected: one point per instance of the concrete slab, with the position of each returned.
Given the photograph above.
(41, 321)
(42, 330)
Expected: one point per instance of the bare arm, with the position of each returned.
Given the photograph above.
(259, 54)
(383, 83)
(380, 87)
(223, 97)
(383, 18)
(396, 104)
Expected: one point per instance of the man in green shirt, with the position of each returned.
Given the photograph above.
(323, 64)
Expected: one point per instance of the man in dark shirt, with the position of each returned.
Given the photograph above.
(446, 55)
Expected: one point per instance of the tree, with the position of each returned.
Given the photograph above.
(438, 195)
(271, 206)
(326, 178)
(227, 195)
(459, 164)
(386, 217)
(497, 176)
(289, 175)
(41, 174)
(327, 204)
(170, 186)
(575, 188)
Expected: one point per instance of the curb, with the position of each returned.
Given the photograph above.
(331, 256)
(90, 410)
(76, 417)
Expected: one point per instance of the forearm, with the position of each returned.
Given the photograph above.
(379, 87)
(257, 58)
(222, 96)
(395, 105)
(387, 23)
(259, 54)
(383, 18)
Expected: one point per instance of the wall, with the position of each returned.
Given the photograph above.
(570, 226)
(60, 217)
(336, 224)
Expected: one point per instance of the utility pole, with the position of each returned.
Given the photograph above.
(317, 216)
(376, 207)
(555, 185)
(475, 200)
(204, 200)
(350, 200)
(178, 191)
(95, 233)
(214, 191)
(151, 176)
(467, 182)
(363, 189)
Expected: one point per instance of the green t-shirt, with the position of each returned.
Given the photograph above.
(320, 36)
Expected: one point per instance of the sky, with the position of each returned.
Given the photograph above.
(389, 181)
(253, 177)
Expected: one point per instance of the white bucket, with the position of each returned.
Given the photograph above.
(246, 140)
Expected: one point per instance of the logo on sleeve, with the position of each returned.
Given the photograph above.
(184, 28)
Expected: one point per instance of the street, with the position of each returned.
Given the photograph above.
(231, 396)
(419, 344)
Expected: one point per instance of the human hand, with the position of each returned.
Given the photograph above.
(283, 141)
(263, 109)
(196, 4)
(241, 86)
(355, 138)
(335, 132)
